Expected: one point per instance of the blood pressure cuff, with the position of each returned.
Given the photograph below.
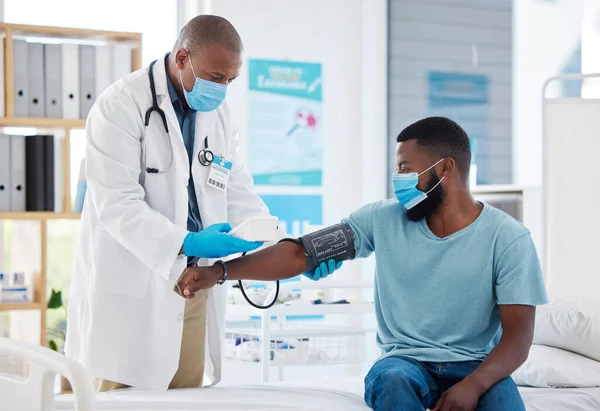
(335, 242)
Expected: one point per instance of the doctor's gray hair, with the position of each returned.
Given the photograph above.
(206, 30)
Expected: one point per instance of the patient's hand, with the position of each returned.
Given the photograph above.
(197, 278)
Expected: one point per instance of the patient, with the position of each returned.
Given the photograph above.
(456, 284)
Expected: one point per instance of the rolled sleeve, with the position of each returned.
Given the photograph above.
(361, 223)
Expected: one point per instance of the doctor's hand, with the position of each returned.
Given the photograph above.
(323, 270)
(197, 278)
(214, 242)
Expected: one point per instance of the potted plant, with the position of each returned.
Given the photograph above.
(57, 334)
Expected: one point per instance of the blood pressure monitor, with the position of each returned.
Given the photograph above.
(335, 242)
(257, 229)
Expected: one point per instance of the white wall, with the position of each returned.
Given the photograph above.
(330, 33)
(590, 55)
(456, 36)
(546, 33)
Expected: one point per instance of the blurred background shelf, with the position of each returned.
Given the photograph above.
(39, 215)
(20, 306)
(33, 251)
(41, 122)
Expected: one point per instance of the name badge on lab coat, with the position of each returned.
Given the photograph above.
(219, 173)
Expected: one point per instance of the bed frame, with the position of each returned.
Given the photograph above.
(36, 392)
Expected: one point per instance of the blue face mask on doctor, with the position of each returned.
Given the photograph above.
(205, 95)
(405, 187)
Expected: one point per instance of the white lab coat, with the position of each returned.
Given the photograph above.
(125, 321)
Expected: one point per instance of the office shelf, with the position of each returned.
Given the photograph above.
(39, 215)
(57, 126)
(41, 122)
(20, 306)
(70, 33)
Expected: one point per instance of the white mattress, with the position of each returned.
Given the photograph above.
(242, 398)
(536, 399)
(319, 394)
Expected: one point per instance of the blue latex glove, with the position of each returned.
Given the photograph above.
(214, 242)
(323, 270)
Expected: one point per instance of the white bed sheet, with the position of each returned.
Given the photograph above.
(319, 394)
(536, 399)
(239, 398)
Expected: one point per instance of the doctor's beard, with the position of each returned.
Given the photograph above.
(433, 201)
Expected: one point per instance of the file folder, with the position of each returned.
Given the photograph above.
(121, 61)
(21, 96)
(35, 180)
(103, 68)
(49, 173)
(17, 174)
(2, 85)
(59, 173)
(5, 184)
(35, 82)
(87, 79)
(53, 80)
(70, 81)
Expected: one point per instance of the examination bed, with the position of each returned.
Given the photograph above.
(36, 393)
(321, 394)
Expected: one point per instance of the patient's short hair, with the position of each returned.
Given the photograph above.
(442, 137)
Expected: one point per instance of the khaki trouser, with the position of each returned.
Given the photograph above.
(191, 360)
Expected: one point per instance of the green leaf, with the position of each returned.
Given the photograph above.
(55, 300)
(52, 345)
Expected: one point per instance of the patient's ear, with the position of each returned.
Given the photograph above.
(448, 166)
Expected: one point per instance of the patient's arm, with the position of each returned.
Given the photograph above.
(278, 262)
(503, 360)
(513, 348)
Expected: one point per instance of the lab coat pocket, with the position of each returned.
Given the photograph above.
(116, 269)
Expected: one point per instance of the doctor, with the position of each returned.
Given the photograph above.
(165, 179)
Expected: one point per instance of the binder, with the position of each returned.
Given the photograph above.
(35, 82)
(87, 79)
(49, 173)
(53, 80)
(21, 95)
(35, 193)
(70, 81)
(5, 184)
(59, 173)
(2, 85)
(121, 61)
(103, 68)
(17, 174)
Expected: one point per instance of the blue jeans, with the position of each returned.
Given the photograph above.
(403, 384)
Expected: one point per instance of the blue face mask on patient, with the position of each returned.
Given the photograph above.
(205, 95)
(405, 187)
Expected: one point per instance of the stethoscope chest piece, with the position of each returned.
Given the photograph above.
(206, 157)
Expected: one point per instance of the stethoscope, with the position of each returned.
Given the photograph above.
(205, 156)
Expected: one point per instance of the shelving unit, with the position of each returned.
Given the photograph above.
(39, 215)
(64, 126)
